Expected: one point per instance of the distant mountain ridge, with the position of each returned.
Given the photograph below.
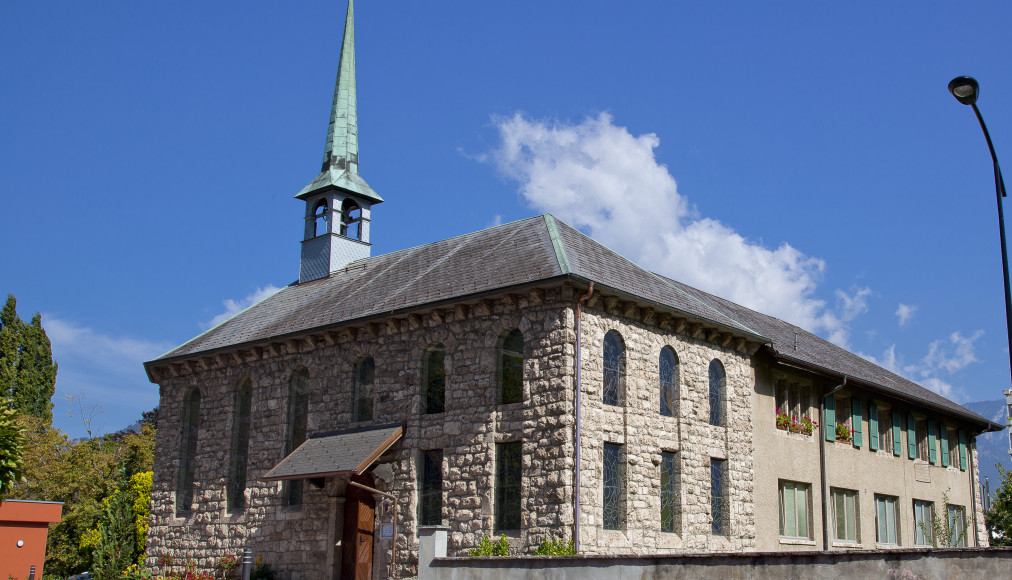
(992, 448)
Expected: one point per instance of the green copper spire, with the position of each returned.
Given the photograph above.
(340, 153)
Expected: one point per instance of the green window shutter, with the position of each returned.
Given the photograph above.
(857, 421)
(872, 426)
(944, 437)
(897, 443)
(911, 436)
(932, 452)
(830, 425)
(962, 450)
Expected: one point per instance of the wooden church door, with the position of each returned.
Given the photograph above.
(359, 525)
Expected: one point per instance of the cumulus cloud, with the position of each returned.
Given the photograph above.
(953, 354)
(945, 357)
(905, 312)
(602, 179)
(106, 369)
(233, 307)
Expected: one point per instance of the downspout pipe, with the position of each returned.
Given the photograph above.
(822, 463)
(579, 391)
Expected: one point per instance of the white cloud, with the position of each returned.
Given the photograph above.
(953, 354)
(600, 178)
(233, 307)
(905, 312)
(496, 220)
(107, 370)
(945, 356)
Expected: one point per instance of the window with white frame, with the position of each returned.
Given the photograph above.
(794, 510)
(886, 526)
(923, 523)
(844, 515)
(957, 525)
(794, 405)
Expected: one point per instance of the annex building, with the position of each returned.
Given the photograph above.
(525, 380)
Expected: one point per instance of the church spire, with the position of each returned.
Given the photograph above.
(340, 153)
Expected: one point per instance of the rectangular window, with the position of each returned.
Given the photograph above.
(923, 520)
(794, 510)
(954, 447)
(613, 486)
(508, 473)
(669, 492)
(720, 521)
(886, 528)
(922, 440)
(844, 427)
(844, 515)
(430, 503)
(794, 407)
(885, 430)
(957, 526)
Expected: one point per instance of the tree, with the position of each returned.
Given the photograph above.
(12, 441)
(999, 517)
(27, 370)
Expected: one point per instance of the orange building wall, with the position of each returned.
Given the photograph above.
(27, 522)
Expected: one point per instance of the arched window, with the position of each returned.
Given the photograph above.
(434, 374)
(239, 457)
(364, 377)
(668, 367)
(718, 383)
(298, 411)
(511, 368)
(188, 451)
(351, 219)
(320, 218)
(614, 368)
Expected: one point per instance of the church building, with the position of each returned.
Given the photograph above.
(525, 380)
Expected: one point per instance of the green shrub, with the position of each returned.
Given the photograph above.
(486, 548)
(552, 547)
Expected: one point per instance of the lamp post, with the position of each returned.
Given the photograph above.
(966, 90)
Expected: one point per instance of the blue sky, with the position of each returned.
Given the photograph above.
(801, 158)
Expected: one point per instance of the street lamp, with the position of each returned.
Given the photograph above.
(966, 90)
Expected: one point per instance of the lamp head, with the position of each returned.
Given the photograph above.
(965, 89)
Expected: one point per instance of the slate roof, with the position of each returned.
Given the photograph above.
(519, 253)
(333, 453)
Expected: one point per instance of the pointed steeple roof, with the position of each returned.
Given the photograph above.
(340, 154)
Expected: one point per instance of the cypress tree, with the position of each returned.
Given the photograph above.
(27, 370)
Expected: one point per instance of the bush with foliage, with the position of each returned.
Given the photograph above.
(487, 547)
(552, 547)
(999, 517)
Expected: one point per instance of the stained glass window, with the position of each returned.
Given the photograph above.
(298, 411)
(613, 484)
(430, 504)
(614, 371)
(718, 497)
(364, 379)
(188, 461)
(434, 370)
(508, 471)
(511, 368)
(717, 387)
(240, 445)
(668, 367)
(669, 492)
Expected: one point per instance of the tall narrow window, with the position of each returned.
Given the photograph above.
(188, 450)
(364, 378)
(430, 504)
(508, 473)
(668, 367)
(720, 518)
(669, 492)
(844, 425)
(844, 515)
(320, 218)
(613, 486)
(885, 430)
(240, 445)
(794, 510)
(953, 439)
(718, 385)
(511, 368)
(922, 440)
(923, 523)
(886, 530)
(957, 525)
(298, 412)
(434, 371)
(614, 368)
(351, 219)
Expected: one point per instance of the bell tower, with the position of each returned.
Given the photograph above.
(338, 201)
